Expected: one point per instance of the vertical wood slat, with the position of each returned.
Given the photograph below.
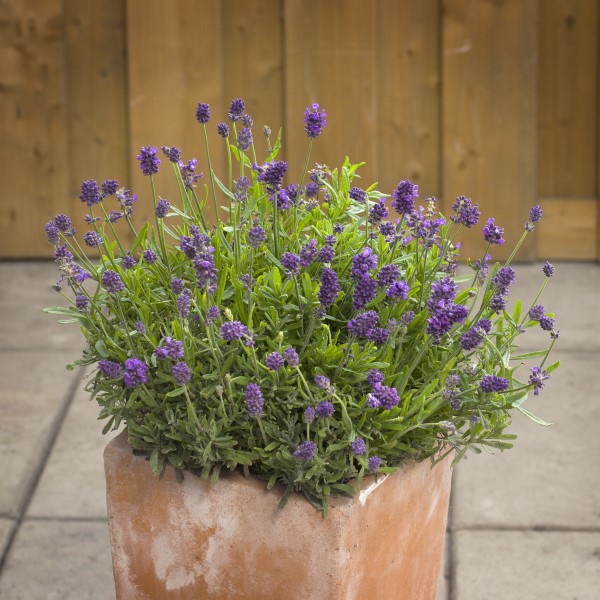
(330, 58)
(409, 95)
(96, 98)
(568, 98)
(253, 63)
(174, 62)
(33, 152)
(489, 112)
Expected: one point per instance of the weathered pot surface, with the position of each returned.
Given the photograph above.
(193, 540)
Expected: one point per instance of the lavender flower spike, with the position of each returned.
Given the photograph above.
(203, 113)
(254, 400)
(305, 451)
(314, 121)
(148, 160)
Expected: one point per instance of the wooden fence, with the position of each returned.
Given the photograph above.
(493, 99)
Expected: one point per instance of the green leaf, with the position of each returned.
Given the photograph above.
(516, 315)
(533, 417)
(175, 393)
(553, 366)
(140, 238)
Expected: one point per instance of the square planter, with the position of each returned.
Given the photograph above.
(194, 540)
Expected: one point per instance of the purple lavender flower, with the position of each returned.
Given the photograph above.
(90, 192)
(89, 219)
(443, 289)
(309, 414)
(547, 323)
(498, 303)
(135, 372)
(172, 153)
(482, 268)
(206, 271)
(535, 214)
(504, 278)
(466, 212)
(373, 401)
(292, 358)
(311, 205)
(403, 197)
(536, 312)
(247, 121)
(64, 224)
(290, 263)
(274, 361)
(112, 281)
(311, 189)
(338, 228)
(126, 200)
(162, 208)
(548, 269)
(537, 378)
(324, 383)
(398, 291)
(329, 240)
(358, 447)
(282, 198)
(364, 291)
(407, 318)
(362, 324)
(223, 130)
(271, 174)
(140, 327)
(92, 239)
(358, 195)
(114, 216)
(388, 230)
(109, 187)
(388, 396)
(387, 275)
(203, 113)
(176, 285)
(256, 236)
(244, 139)
(326, 255)
(305, 451)
(324, 410)
(492, 233)
(171, 349)
(150, 256)
(254, 400)
(236, 109)
(474, 336)
(110, 369)
(378, 212)
(81, 302)
(233, 330)
(308, 252)
(128, 262)
(183, 303)
(212, 314)
(330, 288)
(181, 373)
(491, 383)
(188, 173)
(374, 464)
(374, 376)
(444, 315)
(314, 121)
(362, 263)
(52, 233)
(378, 335)
(149, 160)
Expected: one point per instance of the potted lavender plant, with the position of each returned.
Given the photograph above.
(314, 341)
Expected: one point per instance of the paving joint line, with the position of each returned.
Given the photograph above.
(34, 481)
(531, 528)
(451, 550)
(64, 519)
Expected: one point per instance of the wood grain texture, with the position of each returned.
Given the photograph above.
(568, 99)
(174, 62)
(409, 95)
(568, 230)
(253, 63)
(489, 113)
(33, 152)
(96, 89)
(331, 58)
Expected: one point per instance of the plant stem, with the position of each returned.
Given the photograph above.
(212, 179)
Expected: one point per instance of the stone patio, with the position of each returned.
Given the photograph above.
(523, 524)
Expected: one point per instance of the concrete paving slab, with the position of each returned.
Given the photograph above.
(442, 592)
(495, 565)
(551, 476)
(26, 291)
(6, 527)
(73, 481)
(58, 560)
(34, 388)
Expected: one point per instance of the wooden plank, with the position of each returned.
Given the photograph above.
(331, 58)
(489, 113)
(33, 164)
(409, 79)
(253, 63)
(174, 62)
(96, 98)
(568, 98)
(568, 230)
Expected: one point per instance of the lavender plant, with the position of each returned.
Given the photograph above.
(316, 333)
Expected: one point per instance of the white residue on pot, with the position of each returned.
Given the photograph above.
(364, 494)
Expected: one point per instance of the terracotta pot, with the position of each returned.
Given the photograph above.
(194, 540)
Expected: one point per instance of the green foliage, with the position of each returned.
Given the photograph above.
(204, 425)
